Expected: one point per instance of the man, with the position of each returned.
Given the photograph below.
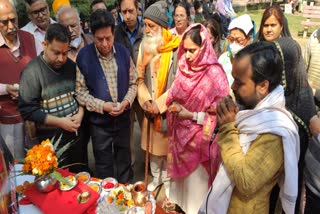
(260, 143)
(113, 10)
(139, 13)
(312, 61)
(129, 33)
(156, 65)
(17, 48)
(97, 4)
(208, 7)
(312, 169)
(46, 94)
(39, 15)
(106, 86)
(69, 17)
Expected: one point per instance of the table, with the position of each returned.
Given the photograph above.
(32, 209)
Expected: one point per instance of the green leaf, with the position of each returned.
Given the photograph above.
(20, 174)
(56, 144)
(60, 178)
(63, 149)
(72, 164)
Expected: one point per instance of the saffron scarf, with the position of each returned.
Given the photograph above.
(170, 43)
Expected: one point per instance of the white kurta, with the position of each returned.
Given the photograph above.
(189, 192)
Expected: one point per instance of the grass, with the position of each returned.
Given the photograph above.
(294, 22)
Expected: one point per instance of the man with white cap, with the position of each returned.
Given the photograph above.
(156, 66)
(241, 29)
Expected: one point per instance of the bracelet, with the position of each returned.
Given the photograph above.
(200, 119)
(195, 116)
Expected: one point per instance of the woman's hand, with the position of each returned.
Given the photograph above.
(180, 111)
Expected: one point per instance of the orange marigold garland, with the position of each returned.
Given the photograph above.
(41, 159)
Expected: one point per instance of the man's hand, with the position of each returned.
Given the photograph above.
(148, 109)
(107, 106)
(315, 125)
(13, 91)
(119, 109)
(147, 106)
(226, 111)
(155, 108)
(77, 118)
(68, 124)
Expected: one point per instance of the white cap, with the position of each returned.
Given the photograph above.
(242, 22)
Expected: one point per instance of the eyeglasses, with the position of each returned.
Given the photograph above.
(179, 16)
(238, 40)
(6, 21)
(42, 10)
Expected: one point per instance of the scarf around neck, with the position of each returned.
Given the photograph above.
(269, 116)
(198, 85)
(170, 43)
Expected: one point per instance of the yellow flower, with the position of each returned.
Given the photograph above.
(35, 171)
(41, 159)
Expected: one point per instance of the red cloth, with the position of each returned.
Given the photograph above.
(62, 201)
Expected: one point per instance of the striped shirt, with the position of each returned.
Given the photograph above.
(110, 68)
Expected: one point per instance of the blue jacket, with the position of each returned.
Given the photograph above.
(96, 82)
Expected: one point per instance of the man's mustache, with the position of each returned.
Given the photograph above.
(13, 31)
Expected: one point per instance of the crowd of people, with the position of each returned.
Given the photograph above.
(227, 109)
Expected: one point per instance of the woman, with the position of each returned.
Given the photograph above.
(199, 84)
(181, 17)
(273, 25)
(299, 100)
(219, 45)
(241, 29)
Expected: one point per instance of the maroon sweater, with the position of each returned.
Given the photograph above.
(10, 70)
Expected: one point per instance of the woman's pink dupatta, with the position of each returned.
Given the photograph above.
(198, 86)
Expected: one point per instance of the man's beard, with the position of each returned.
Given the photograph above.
(246, 105)
(152, 42)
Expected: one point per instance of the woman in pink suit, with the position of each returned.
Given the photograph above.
(199, 84)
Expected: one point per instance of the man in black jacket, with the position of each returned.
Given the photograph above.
(130, 33)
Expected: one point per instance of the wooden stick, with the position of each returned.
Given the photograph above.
(146, 169)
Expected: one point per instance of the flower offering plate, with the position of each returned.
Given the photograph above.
(96, 186)
(73, 181)
(120, 201)
(84, 177)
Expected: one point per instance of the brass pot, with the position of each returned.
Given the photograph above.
(139, 193)
(45, 183)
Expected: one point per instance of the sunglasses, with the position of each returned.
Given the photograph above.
(6, 21)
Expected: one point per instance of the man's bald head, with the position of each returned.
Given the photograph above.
(8, 21)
